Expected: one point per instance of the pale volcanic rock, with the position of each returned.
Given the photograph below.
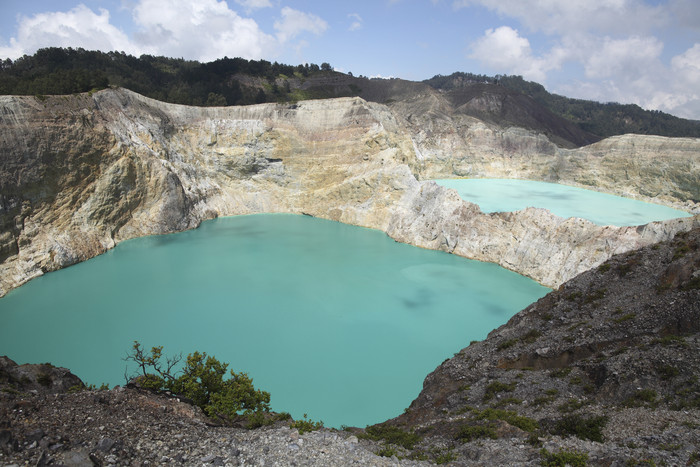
(78, 174)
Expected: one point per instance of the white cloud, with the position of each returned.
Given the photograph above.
(686, 66)
(575, 16)
(685, 73)
(250, 5)
(674, 89)
(632, 56)
(503, 49)
(615, 42)
(79, 27)
(356, 22)
(204, 30)
(295, 22)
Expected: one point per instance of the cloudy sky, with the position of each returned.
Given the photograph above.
(645, 52)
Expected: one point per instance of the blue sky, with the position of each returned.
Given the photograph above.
(645, 52)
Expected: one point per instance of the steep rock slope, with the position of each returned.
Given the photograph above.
(607, 365)
(450, 144)
(78, 174)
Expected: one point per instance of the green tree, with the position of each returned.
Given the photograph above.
(202, 381)
(215, 100)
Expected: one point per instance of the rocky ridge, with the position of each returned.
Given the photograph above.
(606, 365)
(602, 371)
(127, 426)
(78, 174)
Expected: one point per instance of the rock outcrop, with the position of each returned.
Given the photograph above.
(79, 174)
(36, 378)
(606, 365)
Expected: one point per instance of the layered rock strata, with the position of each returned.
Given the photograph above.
(450, 144)
(79, 174)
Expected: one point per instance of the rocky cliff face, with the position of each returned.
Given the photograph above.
(79, 174)
(605, 367)
(651, 168)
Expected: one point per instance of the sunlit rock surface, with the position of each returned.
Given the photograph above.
(80, 173)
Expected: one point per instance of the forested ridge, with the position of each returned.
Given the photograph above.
(602, 119)
(227, 81)
(237, 81)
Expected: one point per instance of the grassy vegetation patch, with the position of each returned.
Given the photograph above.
(590, 428)
(506, 344)
(643, 397)
(306, 424)
(512, 418)
(560, 373)
(44, 379)
(563, 458)
(542, 400)
(672, 340)
(687, 394)
(680, 251)
(625, 317)
(508, 401)
(387, 451)
(624, 269)
(571, 405)
(692, 284)
(496, 387)
(573, 296)
(444, 456)
(667, 372)
(594, 296)
(391, 434)
(531, 336)
(471, 432)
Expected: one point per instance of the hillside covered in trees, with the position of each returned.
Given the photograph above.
(237, 81)
(227, 81)
(602, 119)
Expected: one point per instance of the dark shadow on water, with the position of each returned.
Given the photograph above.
(493, 309)
(421, 298)
(546, 194)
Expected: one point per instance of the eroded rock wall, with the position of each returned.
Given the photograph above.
(650, 168)
(79, 174)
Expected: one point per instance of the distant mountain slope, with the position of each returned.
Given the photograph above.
(504, 106)
(501, 100)
(603, 120)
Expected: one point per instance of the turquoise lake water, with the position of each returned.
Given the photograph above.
(505, 195)
(336, 321)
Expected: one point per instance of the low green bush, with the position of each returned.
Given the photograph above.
(563, 458)
(391, 434)
(471, 432)
(202, 380)
(305, 425)
(512, 418)
(641, 398)
(496, 387)
(590, 428)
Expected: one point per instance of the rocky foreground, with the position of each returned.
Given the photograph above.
(603, 371)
